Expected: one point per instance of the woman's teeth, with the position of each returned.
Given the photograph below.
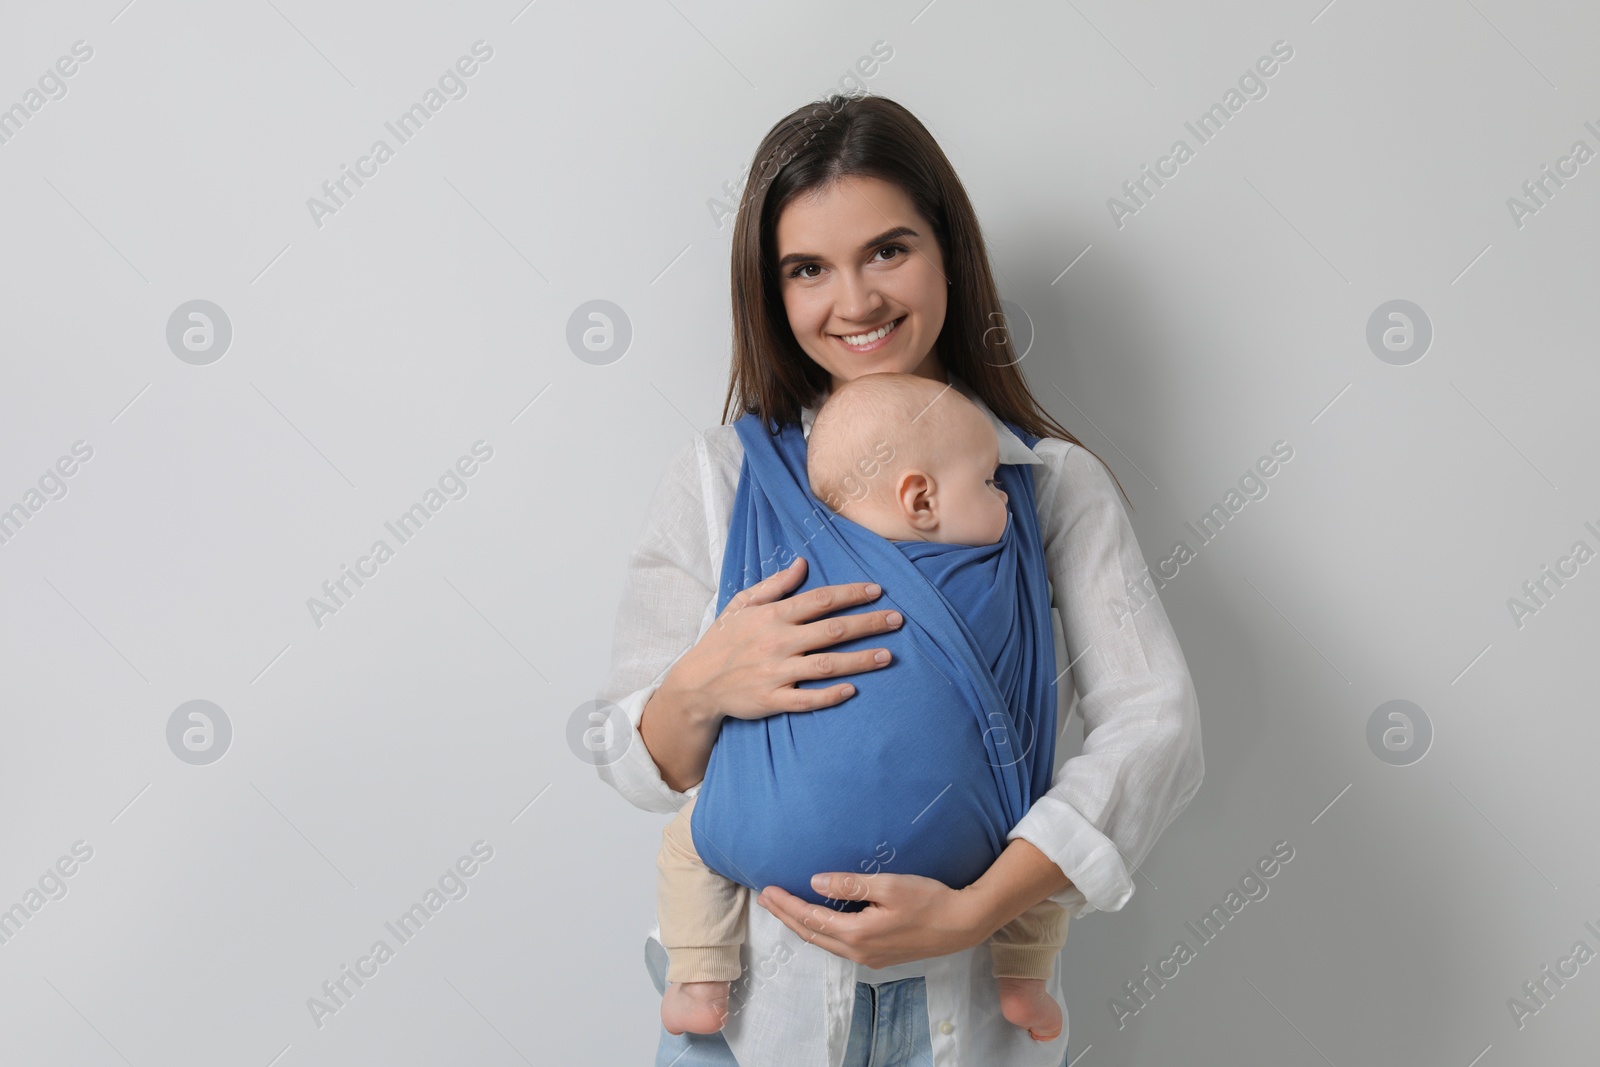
(858, 339)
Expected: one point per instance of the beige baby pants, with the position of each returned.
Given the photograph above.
(702, 917)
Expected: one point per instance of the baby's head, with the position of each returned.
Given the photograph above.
(909, 458)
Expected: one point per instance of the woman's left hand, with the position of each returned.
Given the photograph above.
(908, 917)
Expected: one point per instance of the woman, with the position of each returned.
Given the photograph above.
(856, 251)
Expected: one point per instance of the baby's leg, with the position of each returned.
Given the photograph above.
(702, 918)
(1025, 951)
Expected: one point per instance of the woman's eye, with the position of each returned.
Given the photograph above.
(796, 272)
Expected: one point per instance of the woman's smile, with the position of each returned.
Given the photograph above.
(869, 340)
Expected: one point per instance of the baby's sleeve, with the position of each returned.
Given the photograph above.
(666, 601)
(1141, 762)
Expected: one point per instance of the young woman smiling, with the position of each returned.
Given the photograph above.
(860, 254)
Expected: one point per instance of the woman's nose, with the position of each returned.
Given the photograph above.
(860, 300)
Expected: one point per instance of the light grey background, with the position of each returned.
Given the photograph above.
(431, 312)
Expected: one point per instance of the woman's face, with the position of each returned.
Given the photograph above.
(852, 259)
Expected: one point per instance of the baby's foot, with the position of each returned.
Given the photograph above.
(1024, 1002)
(698, 1007)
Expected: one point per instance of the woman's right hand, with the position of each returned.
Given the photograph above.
(745, 665)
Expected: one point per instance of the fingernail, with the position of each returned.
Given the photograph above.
(873, 589)
(881, 656)
(895, 618)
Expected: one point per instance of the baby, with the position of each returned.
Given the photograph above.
(936, 484)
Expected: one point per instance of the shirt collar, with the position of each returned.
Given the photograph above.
(1012, 448)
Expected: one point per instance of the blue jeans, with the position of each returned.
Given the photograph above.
(889, 1028)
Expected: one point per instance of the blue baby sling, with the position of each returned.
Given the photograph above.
(927, 767)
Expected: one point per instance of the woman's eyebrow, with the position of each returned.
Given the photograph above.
(887, 235)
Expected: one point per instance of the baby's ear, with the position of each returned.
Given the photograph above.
(915, 496)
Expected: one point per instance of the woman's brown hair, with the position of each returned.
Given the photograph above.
(868, 136)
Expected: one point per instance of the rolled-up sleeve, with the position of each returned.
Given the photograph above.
(666, 598)
(1141, 761)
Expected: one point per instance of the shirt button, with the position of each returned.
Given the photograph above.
(946, 1026)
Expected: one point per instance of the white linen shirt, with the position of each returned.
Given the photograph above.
(1140, 764)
